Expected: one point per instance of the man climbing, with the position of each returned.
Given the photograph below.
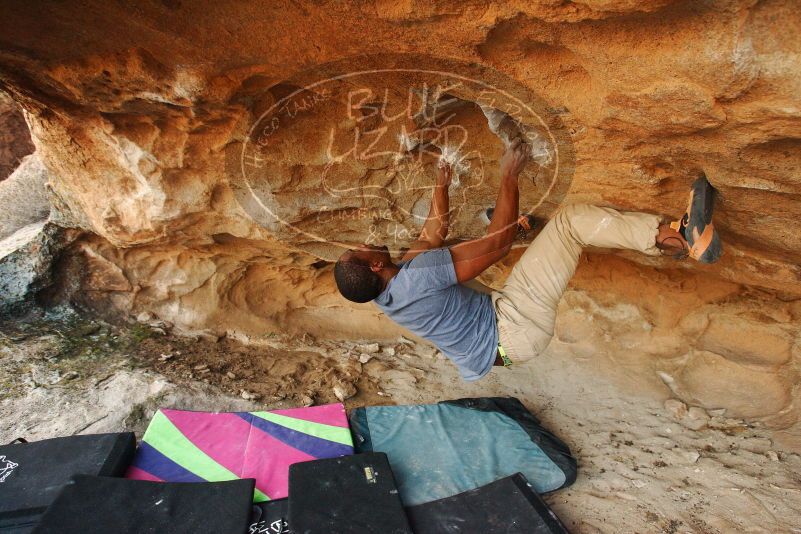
(424, 292)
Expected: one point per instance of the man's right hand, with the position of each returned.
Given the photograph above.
(514, 159)
(444, 174)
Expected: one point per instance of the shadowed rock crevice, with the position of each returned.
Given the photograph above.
(15, 138)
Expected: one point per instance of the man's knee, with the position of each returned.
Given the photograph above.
(566, 213)
(572, 218)
(574, 209)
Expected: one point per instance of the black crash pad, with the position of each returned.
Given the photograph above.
(33, 474)
(352, 494)
(101, 505)
(270, 517)
(506, 506)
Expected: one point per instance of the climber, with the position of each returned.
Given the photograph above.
(425, 291)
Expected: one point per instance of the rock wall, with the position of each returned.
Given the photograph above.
(15, 139)
(218, 157)
(23, 196)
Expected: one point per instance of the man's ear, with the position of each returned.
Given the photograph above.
(376, 266)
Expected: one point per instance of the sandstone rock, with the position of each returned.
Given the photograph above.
(15, 138)
(692, 107)
(159, 126)
(101, 274)
(146, 134)
(344, 391)
(23, 196)
(747, 341)
(675, 408)
(248, 395)
(369, 348)
(364, 358)
(713, 382)
(697, 413)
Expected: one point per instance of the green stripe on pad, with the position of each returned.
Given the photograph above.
(337, 434)
(166, 438)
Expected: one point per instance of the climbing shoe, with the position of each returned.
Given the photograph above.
(696, 225)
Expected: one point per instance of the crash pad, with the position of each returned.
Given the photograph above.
(506, 506)
(32, 474)
(354, 494)
(101, 505)
(439, 450)
(270, 517)
(186, 446)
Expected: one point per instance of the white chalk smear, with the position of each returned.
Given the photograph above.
(507, 129)
(450, 156)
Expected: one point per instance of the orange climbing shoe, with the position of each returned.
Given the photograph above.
(696, 225)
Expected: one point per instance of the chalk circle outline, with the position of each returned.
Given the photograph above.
(249, 139)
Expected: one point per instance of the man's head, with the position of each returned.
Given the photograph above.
(358, 272)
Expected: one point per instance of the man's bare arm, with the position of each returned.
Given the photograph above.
(435, 229)
(471, 258)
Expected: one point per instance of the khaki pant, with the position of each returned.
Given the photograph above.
(526, 306)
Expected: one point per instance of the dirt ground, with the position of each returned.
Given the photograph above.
(642, 466)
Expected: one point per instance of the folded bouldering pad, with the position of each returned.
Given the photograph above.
(32, 474)
(355, 494)
(506, 506)
(270, 517)
(184, 446)
(439, 450)
(100, 505)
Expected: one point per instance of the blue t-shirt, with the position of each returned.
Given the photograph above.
(426, 298)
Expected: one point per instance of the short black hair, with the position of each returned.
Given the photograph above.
(356, 281)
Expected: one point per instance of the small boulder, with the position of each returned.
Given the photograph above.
(344, 391)
(248, 396)
(26, 259)
(675, 408)
(145, 317)
(369, 348)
